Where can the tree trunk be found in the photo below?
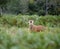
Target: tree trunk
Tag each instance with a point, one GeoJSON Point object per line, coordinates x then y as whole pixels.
{"type": "Point", "coordinates": [0, 11]}
{"type": "Point", "coordinates": [46, 7]}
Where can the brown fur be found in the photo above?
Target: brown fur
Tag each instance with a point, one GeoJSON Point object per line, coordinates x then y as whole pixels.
{"type": "Point", "coordinates": [36, 28]}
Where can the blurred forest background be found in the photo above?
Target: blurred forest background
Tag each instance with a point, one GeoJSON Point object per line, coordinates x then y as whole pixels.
{"type": "Point", "coordinates": [14, 27]}
{"type": "Point", "coordinates": [38, 7]}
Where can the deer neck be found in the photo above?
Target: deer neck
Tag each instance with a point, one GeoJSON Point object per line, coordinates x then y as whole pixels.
{"type": "Point", "coordinates": [30, 26]}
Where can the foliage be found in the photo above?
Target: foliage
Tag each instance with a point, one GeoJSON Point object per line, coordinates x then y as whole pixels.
{"type": "Point", "coordinates": [13, 37]}
{"type": "Point", "coordinates": [20, 38]}
{"type": "Point", "coordinates": [31, 7]}
{"type": "Point", "coordinates": [22, 20]}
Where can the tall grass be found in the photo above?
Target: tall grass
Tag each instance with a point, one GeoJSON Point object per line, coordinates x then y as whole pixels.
{"type": "Point", "coordinates": [22, 20]}
{"type": "Point", "coordinates": [14, 32]}
{"type": "Point", "coordinates": [20, 38]}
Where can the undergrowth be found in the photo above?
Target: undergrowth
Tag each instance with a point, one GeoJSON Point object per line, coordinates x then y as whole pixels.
{"type": "Point", "coordinates": [15, 34]}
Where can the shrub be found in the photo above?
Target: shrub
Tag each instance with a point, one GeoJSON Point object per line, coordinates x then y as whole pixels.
{"type": "Point", "coordinates": [22, 20]}
{"type": "Point", "coordinates": [24, 40]}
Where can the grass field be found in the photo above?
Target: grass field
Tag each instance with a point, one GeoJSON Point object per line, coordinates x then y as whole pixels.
{"type": "Point", "coordinates": [13, 36]}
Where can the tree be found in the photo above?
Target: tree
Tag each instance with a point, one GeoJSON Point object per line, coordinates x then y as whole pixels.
{"type": "Point", "coordinates": [39, 7]}
{"type": "Point", "coordinates": [18, 6]}
{"type": "Point", "coordinates": [2, 4]}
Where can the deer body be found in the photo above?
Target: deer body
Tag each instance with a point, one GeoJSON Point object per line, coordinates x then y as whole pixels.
{"type": "Point", "coordinates": [35, 28]}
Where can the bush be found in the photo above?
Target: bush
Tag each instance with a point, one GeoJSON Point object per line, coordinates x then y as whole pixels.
{"type": "Point", "coordinates": [24, 40]}
{"type": "Point", "coordinates": [22, 20]}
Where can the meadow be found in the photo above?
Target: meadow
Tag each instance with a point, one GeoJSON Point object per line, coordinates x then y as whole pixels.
{"type": "Point", "coordinates": [15, 33]}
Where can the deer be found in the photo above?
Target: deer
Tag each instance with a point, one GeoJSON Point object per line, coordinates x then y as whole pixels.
{"type": "Point", "coordinates": [35, 28]}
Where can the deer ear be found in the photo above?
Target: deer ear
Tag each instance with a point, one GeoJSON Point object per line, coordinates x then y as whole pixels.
{"type": "Point", "coordinates": [29, 21]}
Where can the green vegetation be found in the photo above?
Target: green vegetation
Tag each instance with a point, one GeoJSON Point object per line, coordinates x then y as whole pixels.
{"type": "Point", "coordinates": [39, 7]}
{"type": "Point", "coordinates": [20, 38]}
{"type": "Point", "coordinates": [14, 33]}
{"type": "Point", "coordinates": [14, 27]}
{"type": "Point", "coordinates": [22, 20]}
